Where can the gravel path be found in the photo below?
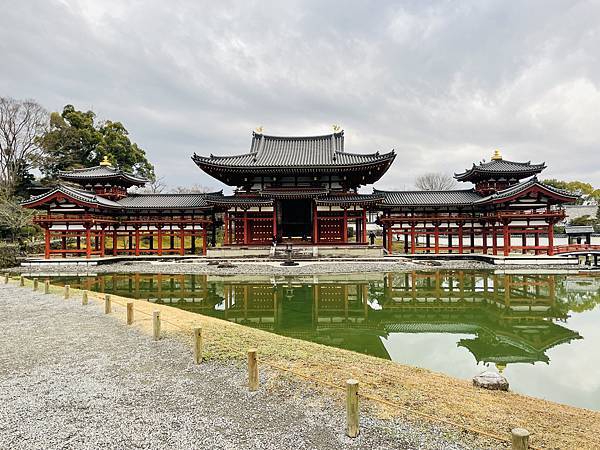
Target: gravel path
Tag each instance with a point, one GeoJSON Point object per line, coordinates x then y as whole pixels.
{"type": "Point", "coordinates": [256, 268]}
{"type": "Point", "coordinates": [71, 377]}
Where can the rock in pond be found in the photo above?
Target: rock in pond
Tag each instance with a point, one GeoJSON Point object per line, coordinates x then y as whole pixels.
{"type": "Point", "coordinates": [491, 380]}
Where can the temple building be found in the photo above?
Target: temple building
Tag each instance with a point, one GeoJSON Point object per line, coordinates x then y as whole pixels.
{"type": "Point", "coordinates": [301, 190]}
{"type": "Point", "coordinates": [295, 189]}
{"type": "Point", "coordinates": [507, 200]}
{"type": "Point", "coordinates": [91, 213]}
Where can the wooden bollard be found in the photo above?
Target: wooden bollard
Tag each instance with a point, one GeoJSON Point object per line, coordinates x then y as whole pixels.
{"type": "Point", "coordinates": [67, 291]}
{"type": "Point", "coordinates": [352, 408]}
{"type": "Point", "coordinates": [156, 325]}
{"type": "Point", "coordinates": [252, 370]}
{"type": "Point", "coordinates": [84, 298]}
{"type": "Point", "coordinates": [198, 345]}
{"type": "Point", "coordinates": [129, 313]}
{"type": "Point", "coordinates": [46, 287]}
{"type": "Point", "coordinates": [22, 281]}
{"type": "Point", "coordinates": [35, 284]}
{"type": "Point", "coordinates": [520, 439]}
{"type": "Point", "coordinates": [6, 278]}
{"type": "Point", "coordinates": [107, 304]}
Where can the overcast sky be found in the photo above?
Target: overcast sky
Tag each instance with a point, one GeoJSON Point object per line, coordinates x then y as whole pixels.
{"type": "Point", "coordinates": [442, 83]}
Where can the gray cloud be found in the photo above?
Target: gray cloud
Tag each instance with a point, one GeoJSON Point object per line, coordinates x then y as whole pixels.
{"type": "Point", "coordinates": [443, 83]}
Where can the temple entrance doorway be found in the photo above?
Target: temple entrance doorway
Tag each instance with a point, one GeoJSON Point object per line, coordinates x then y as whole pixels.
{"type": "Point", "coordinates": [296, 220]}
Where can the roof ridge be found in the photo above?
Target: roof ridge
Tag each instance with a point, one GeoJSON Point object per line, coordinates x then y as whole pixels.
{"type": "Point", "coordinates": [299, 138]}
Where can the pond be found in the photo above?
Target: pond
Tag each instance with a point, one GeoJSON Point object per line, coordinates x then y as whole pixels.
{"type": "Point", "coordinates": [541, 331]}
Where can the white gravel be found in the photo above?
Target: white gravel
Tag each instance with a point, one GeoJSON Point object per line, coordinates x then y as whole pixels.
{"type": "Point", "coordinates": [71, 377]}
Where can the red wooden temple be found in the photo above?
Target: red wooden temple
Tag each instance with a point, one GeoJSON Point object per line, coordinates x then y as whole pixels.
{"type": "Point", "coordinates": [483, 219]}
{"type": "Point", "coordinates": [295, 189]}
{"type": "Point", "coordinates": [303, 190]}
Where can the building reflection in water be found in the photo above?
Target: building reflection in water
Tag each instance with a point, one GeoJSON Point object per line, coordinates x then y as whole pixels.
{"type": "Point", "coordinates": [509, 318]}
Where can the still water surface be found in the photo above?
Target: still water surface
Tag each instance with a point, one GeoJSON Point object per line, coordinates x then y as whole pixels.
{"type": "Point", "coordinates": [541, 331]}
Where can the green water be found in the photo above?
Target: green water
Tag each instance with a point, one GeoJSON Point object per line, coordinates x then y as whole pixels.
{"type": "Point", "coordinates": [541, 331]}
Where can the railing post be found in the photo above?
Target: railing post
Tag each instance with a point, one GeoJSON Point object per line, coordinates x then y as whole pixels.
{"type": "Point", "coordinates": [198, 345]}
{"type": "Point", "coordinates": [84, 298]}
{"type": "Point", "coordinates": [6, 278]}
{"type": "Point", "coordinates": [252, 370]}
{"type": "Point", "coordinates": [129, 313]}
{"type": "Point", "coordinates": [47, 287]}
{"type": "Point", "coordinates": [67, 292]}
{"type": "Point", "coordinates": [156, 325]}
{"type": "Point", "coordinates": [35, 284]}
{"type": "Point", "coordinates": [22, 281]}
{"type": "Point", "coordinates": [520, 439]}
{"type": "Point", "coordinates": [352, 408]}
{"type": "Point", "coordinates": [107, 304]}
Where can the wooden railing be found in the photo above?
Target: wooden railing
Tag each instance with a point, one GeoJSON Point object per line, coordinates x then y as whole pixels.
{"type": "Point", "coordinates": [575, 248]}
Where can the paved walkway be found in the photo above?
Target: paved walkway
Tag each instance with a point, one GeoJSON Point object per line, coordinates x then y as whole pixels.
{"type": "Point", "coordinates": [71, 377]}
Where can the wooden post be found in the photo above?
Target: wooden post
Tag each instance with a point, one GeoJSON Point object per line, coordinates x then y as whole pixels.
{"type": "Point", "coordinates": [520, 439]}
{"type": "Point", "coordinates": [364, 226]}
{"type": "Point", "coordinates": [88, 242]}
{"type": "Point", "coordinates": [107, 304]}
{"type": "Point", "coordinates": [22, 281]}
{"type": "Point", "coordinates": [352, 429]}
{"type": "Point", "coordinates": [6, 278]}
{"type": "Point", "coordinates": [156, 325]}
{"type": "Point", "coordinates": [225, 228]}
{"type": "Point", "coordinates": [46, 287]}
{"type": "Point", "coordinates": [84, 298]}
{"type": "Point", "coordinates": [47, 243]}
{"type": "Point", "coordinates": [35, 284]}
{"type": "Point", "coordinates": [204, 238]}
{"type": "Point", "coordinates": [129, 313]}
{"type": "Point", "coordinates": [551, 238]}
{"type": "Point", "coordinates": [252, 370]}
{"type": "Point", "coordinates": [67, 293]}
{"type": "Point", "coordinates": [198, 345]}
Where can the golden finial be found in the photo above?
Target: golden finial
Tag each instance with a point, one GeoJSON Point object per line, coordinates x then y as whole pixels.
{"type": "Point", "coordinates": [500, 367]}
{"type": "Point", "coordinates": [105, 161]}
{"type": "Point", "coordinates": [497, 156]}
{"type": "Point", "coordinates": [336, 128]}
{"type": "Point", "coordinates": [259, 130]}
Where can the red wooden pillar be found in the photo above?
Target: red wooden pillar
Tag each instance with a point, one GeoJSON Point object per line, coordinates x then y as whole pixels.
{"type": "Point", "coordinates": [137, 241]}
{"type": "Point", "coordinates": [102, 241]}
{"type": "Point", "coordinates": [274, 222]}
{"type": "Point", "coordinates": [436, 237]}
{"type": "Point", "coordinates": [364, 226]}
{"type": "Point", "coordinates": [389, 237]}
{"type": "Point", "coordinates": [115, 242]}
{"type": "Point", "coordinates": [413, 242]}
{"type": "Point", "coordinates": [494, 240]}
{"type": "Point", "coordinates": [315, 225]}
{"type": "Point", "coordinates": [524, 243]}
{"type": "Point", "coordinates": [47, 242]}
{"type": "Point", "coordinates": [182, 240]}
{"type": "Point", "coordinates": [460, 238]}
{"type": "Point", "coordinates": [345, 227]}
{"type": "Point", "coordinates": [484, 231]}
{"type": "Point", "coordinates": [551, 238]}
{"type": "Point", "coordinates": [63, 245]}
{"type": "Point", "coordinates": [226, 228]}
{"type": "Point", "coordinates": [160, 240]}
{"type": "Point", "coordinates": [506, 238]}
{"type": "Point", "coordinates": [245, 227]}
{"type": "Point", "coordinates": [537, 241]}
{"type": "Point", "coordinates": [204, 239]}
{"type": "Point", "coordinates": [88, 242]}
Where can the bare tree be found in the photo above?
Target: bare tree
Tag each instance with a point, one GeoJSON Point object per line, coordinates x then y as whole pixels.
{"type": "Point", "coordinates": [435, 181]}
{"type": "Point", "coordinates": [155, 186]}
{"type": "Point", "coordinates": [193, 189]}
{"type": "Point", "coordinates": [22, 122]}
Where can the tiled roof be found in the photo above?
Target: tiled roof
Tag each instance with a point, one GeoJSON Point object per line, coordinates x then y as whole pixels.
{"type": "Point", "coordinates": [77, 194]}
{"type": "Point", "coordinates": [466, 197]}
{"type": "Point", "coordinates": [296, 192]}
{"type": "Point", "coordinates": [520, 187]}
{"type": "Point", "coordinates": [430, 198]}
{"type": "Point", "coordinates": [501, 167]}
{"type": "Point", "coordinates": [233, 200]}
{"type": "Point", "coordinates": [164, 201]}
{"type": "Point", "coordinates": [293, 152]}
{"type": "Point", "coordinates": [579, 229]}
{"type": "Point", "coordinates": [351, 199]}
{"type": "Point", "coordinates": [99, 173]}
